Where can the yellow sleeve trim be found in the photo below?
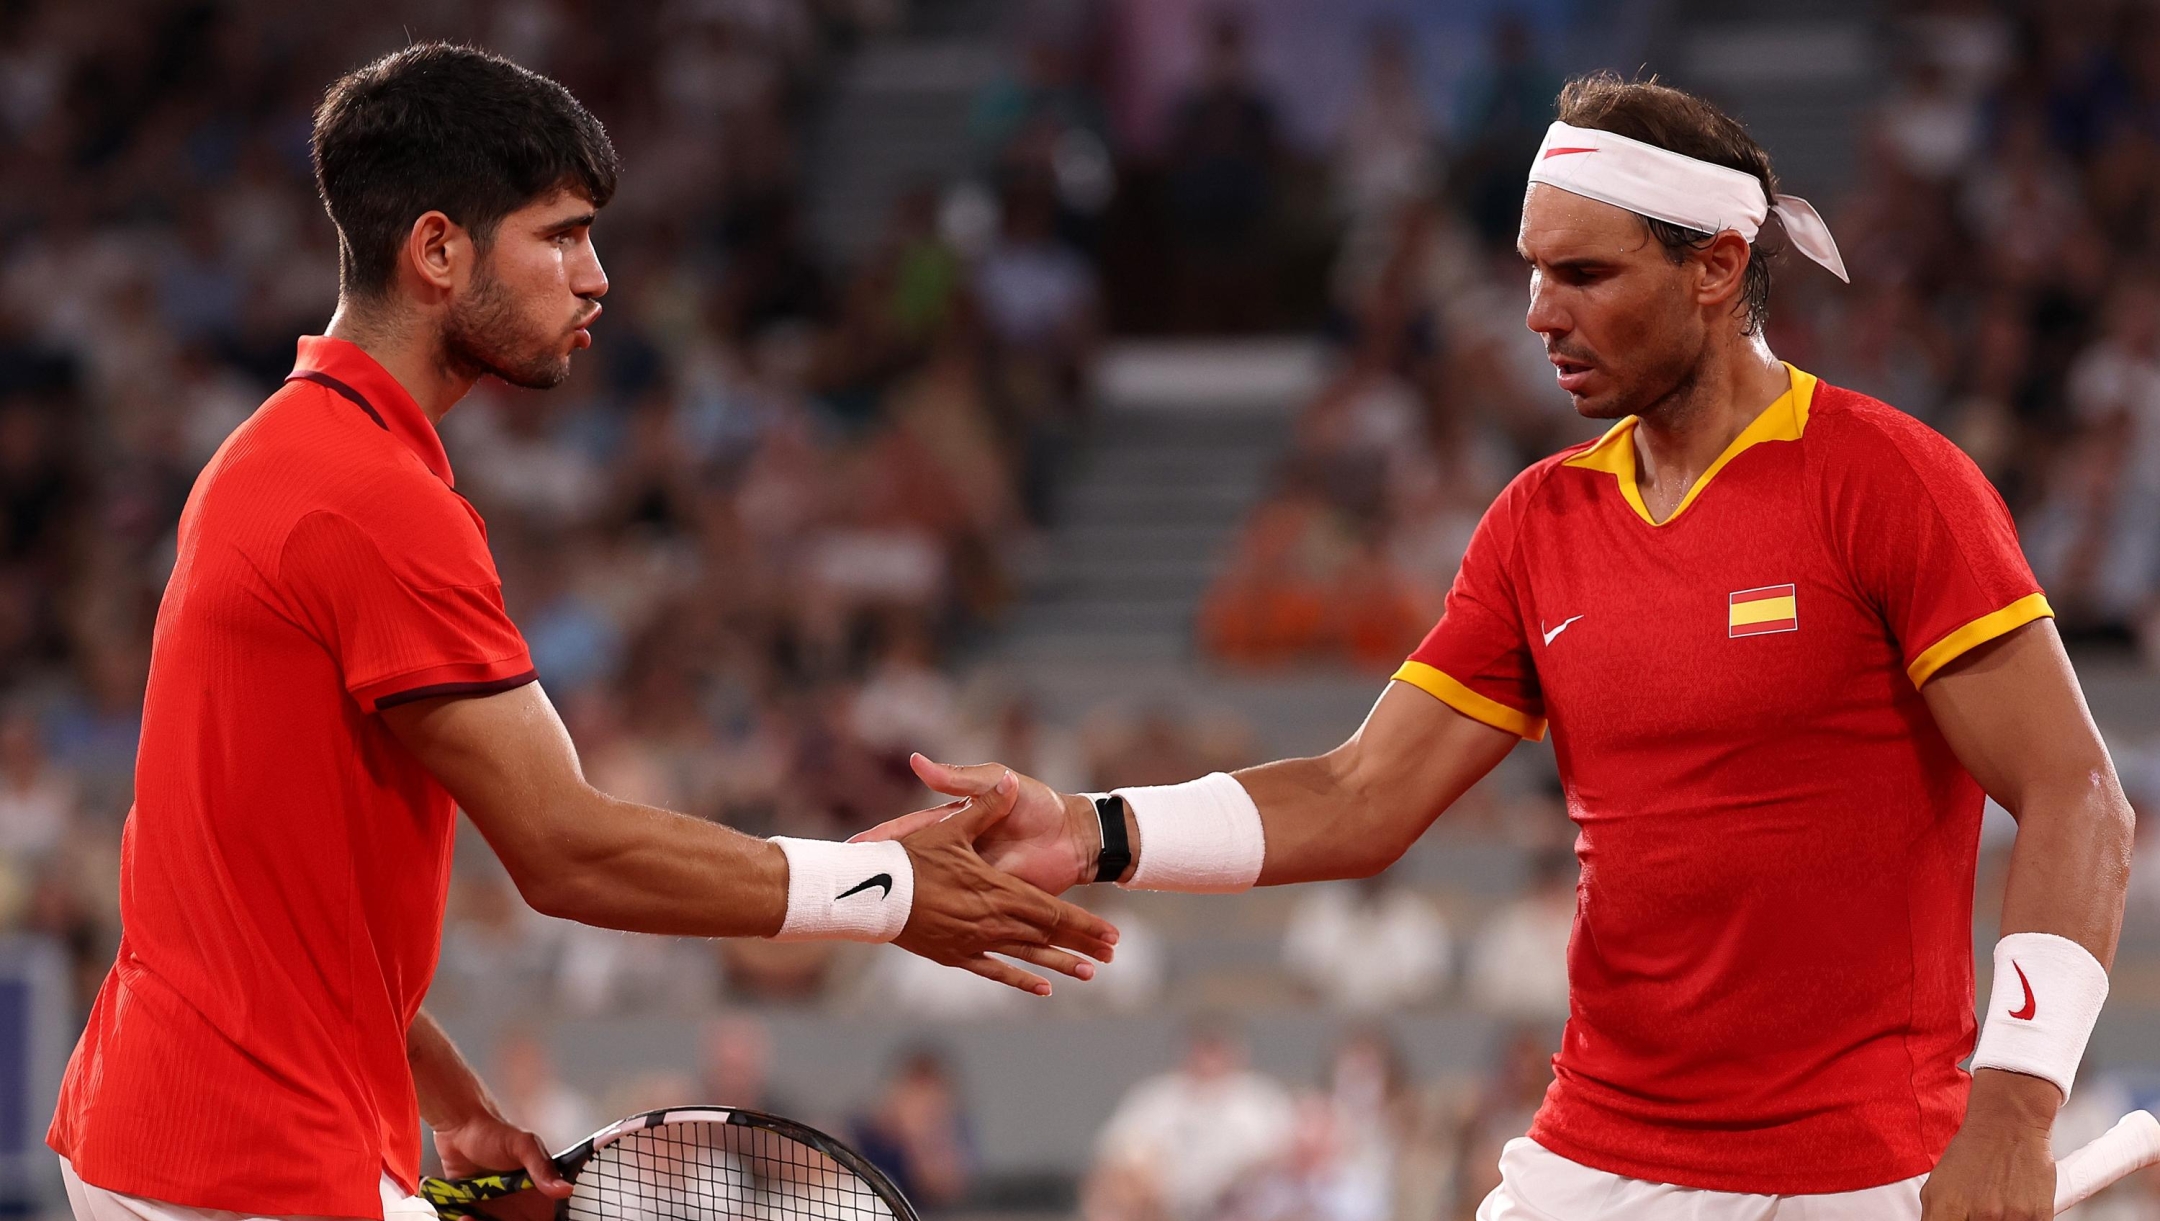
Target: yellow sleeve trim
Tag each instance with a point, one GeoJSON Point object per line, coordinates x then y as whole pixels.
{"type": "Point", "coordinates": [1987, 627]}
{"type": "Point", "coordinates": [1443, 687]}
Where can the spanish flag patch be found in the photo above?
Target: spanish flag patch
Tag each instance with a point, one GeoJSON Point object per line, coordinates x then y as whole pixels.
{"type": "Point", "coordinates": [1772, 608]}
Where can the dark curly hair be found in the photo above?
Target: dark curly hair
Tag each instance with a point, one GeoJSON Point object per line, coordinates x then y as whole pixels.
{"type": "Point", "coordinates": [1674, 119]}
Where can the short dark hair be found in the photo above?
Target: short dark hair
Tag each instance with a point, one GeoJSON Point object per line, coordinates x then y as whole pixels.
{"type": "Point", "coordinates": [440, 127]}
{"type": "Point", "coordinates": [1677, 120]}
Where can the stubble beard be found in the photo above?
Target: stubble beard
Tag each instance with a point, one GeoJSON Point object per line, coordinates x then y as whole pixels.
{"type": "Point", "coordinates": [486, 336]}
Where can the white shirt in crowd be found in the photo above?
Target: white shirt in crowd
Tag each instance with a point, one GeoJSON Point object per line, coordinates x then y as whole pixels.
{"type": "Point", "coordinates": [1197, 1136]}
{"type": "Point", "coordinates": [1518, 965]}
{"type": "Point", "coordinates": [1368, 952]}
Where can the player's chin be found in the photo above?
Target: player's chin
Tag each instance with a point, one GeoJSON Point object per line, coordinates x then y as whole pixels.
{"type": "Point", "coordinates": [1592, 403]}
{"type": "Point", "coordinates": [540, 373]}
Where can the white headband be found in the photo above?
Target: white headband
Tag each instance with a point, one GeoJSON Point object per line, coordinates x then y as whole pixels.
{"type": "Point", "coordinates": [1675, 188]}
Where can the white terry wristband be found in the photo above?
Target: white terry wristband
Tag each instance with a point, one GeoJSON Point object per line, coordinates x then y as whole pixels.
{"type": "Point", "coordinates": [846, 892]}
{"type": "Point", "coordinates": [1203, 836]}
{"type": "Point", "coordinates": [2048, 992]}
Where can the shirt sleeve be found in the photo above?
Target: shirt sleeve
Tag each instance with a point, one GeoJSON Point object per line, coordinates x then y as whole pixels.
{"type": "Point", "coordinates": [422, 619]}
{"type": "Point", "coordinates": [1476, 660]}
{"type": "Point", "coordinates": [1931, 545]}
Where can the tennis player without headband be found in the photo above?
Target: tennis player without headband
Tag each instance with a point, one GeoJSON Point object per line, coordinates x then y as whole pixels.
{"type": "Point", "coordinates": [1784, 640]}
{"type": "Point", "coordinates": [333, 676]}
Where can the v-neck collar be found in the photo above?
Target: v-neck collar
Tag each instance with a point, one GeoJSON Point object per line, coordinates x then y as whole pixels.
{"type": "Point", "coordinates": [1783, 420]}
{"type": "Point", "coordinates": [347, 370]}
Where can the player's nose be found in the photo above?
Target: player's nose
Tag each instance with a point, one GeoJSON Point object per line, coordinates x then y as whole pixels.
{"type": "Point", "coordinates": [1545, 316]}
{"type": "Point", "coordinates": [592, 281]}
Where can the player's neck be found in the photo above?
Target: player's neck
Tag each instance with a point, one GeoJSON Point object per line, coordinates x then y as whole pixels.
{"type": "Point", "coordinates": [408, 350]}
{"type": "Point", "coordinates": [1683, 433]}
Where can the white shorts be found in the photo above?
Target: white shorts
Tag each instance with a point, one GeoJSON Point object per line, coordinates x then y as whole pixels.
{"type": "Point", "coordinates": [97, 1204]}
{"type": "Point", "coordinates": [1537, 1184]}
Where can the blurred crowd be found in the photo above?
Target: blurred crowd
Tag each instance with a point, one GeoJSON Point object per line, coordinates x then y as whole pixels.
{"type": "Point", "coordinates": [1999, 227]}
{"type": "Point", "coordinates": [750, 537]}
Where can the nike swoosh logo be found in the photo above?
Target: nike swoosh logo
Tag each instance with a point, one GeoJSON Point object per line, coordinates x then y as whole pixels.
{"type": "Point", "coordinates": [875, 879]}
{"type": "Point", "coordinates": [2031, 1006]}
{"type": "Point", "coordinates": [1556, 631]}
{"type": "Point", "coordinates": [1561, 152]}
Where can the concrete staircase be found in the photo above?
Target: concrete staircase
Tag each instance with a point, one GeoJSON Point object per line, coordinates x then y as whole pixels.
{"type": "Point", "coordinates": [1801, 74]}
{"type": "Point", "coordinates": [1185, 439]}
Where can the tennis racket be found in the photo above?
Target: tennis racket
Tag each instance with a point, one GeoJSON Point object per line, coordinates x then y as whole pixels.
{"type": "Point", "coordinates": [694, 1163]}
{"type": "Point", "coordinates": [2130, 1146]}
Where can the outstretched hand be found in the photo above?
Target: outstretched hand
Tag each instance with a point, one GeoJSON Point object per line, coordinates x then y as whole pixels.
{"type": "Point", "coordinates": [1049, 840]}
{"type": "Point", "coordinates": [968, 907]}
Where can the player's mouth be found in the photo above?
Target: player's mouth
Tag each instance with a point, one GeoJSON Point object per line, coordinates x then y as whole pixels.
{"type": "Point", "coordinates": [581, 337]}
{"type": "Point", "coordinates": [1573, 375]}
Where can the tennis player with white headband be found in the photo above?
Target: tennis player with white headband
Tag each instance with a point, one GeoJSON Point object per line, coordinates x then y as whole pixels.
{"type": "Point", "coordinates": [1785, 643]}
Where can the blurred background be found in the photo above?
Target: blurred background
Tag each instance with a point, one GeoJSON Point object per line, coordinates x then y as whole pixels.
{"type": "Point", "coordinates": [1105, 387]}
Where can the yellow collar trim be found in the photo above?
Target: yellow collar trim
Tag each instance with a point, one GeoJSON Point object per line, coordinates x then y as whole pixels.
{"type": "Point", "coordinates": [1614, 453]}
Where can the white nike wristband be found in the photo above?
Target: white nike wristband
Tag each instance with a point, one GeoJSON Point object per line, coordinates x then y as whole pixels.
{"type": "Point", "coordinates": [1202, 836]}
{"type": "Point", "coordinates": [2047, 995]}
{"type": "Point", "coordinates": [846, 892]}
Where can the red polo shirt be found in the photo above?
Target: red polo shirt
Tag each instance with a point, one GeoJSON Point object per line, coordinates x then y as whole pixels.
{"type": "Point", "coordinates": [1771, 972]}
{"type": "Point", "coordinates": [284, 869]}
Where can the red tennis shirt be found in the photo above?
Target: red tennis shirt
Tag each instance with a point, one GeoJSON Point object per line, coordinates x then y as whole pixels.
{"type": "Point", "coordinates": [283, 872]}
{"type": "Point", "coordinates": [1771, 972]}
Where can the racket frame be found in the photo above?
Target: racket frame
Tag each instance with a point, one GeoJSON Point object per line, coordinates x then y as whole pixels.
{"type": "Point", "coordinates": [454, 1199]}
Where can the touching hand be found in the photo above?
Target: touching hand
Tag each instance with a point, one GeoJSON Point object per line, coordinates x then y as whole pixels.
{"type": "Point", "coordinates": [1048, 841]}
{"type": "Point", "coordinates": [1998, 1167]}
{"type": "Point", "coordinates": [488, 1143]}
{"type": "Point", "coordinates": [966, 908]}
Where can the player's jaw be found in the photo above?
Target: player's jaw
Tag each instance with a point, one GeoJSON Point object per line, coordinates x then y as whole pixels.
{"type": "Point", "coordinates": [534, 293]}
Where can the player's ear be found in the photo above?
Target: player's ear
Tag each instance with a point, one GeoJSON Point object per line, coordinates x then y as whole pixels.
{"type": "Point", "coordinates": [438, 253]}
{"type": "Point", "coordinates": [1721, 269]}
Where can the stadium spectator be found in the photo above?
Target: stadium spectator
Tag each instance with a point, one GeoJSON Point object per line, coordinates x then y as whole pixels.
{"type": "Point", "coordinates": [735, 1065]}
{"type": "Point", "coordinates": [1518, 962]}
{"type": "Point", "coordinates": [1522, 1068]}
{"type": "Point", "coordinates": [1180, 1141]}
{"type": "Point", "coordinates": [534, 1097]}
{"type": "Point", "coordinates": [1389, 150]}
{"type": "Point", "coordinates": [1368, 946]}
{"type": "Point", "coordinates": [38, 800]}
{"type": "Point", "coordinates": [1223, 155]}
{"type": "Point", "coordinates": [918, 1132]}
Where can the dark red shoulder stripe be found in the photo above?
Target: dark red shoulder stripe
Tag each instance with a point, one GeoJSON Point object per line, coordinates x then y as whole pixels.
{"type": "Point", "coordinates": [492, 686]}
{"type": "Point", "coordinates": [337, 387]}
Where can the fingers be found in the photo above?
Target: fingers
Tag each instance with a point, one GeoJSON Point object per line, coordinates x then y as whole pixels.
{"type": "Point", "coordinates": [1078, 924]}
{"type": "Point", "coordinates": [908, 824]}
{"type": "Point", "coordinates": [1006, 973]}
{"type": "Point", "coordinates": [969, 781]}
{"type": "Point", "coordinates": [532, 1155]}
{"type": "Point", "coordinates": [984, 811]}
{"type": "Point", "coordinates": [1083, 943]}
{"type": "Point", "coordinates": [1049, 959]}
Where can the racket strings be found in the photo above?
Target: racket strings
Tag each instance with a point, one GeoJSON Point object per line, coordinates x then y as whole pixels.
{"type": "Point", "coordinates": [692, 1171]}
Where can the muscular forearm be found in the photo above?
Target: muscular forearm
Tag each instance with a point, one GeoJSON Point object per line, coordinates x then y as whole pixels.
{"type": "Point", "coordinates": [1324, 819]}
{"type": "Point", "coordinates": [575, 852]}
{"type": "Point", "coordinates": [450, 1092]}
{"type": "Point", "coordinates": [1355, 810]}
{"type": "Point", "coordinates": [626, 866]}
{"type": "Point", "coordinates": [2070, 865]}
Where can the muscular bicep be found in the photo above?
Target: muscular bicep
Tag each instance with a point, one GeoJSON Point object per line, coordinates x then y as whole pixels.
{"type": "Point", "coordinates": [2012, 711]}
{"type": "Point", "coordinates": [1356, 809]}
{"type": "Point", "coordinates": [506, 758]}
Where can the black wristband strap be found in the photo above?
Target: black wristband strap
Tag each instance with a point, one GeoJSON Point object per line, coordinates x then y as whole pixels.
{"type": "Point", "coordinates": [1116, 854]}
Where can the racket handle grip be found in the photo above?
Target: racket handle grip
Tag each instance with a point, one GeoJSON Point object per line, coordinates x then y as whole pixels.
{"type": "Point", "coordinates": [2131, 1145]}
